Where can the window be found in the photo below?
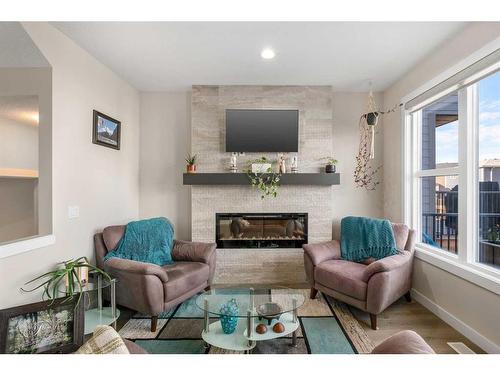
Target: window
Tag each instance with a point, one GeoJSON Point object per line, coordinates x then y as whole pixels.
{"type": "Point", "coordinates": [437, 124]}
{"type": "Point", "coordinates": [489, 171]}
{"type": "Point", "coordinates": [452, 185]}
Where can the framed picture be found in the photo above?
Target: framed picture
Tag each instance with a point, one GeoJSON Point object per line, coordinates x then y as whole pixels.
{"type": "Point", "coordinates": [106, 131]}
{"type": "Point", "coordinates": [42, 327]}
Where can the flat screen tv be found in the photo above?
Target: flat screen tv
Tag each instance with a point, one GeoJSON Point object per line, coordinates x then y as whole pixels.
{"type": "Point", "coordinates": [257, 130]}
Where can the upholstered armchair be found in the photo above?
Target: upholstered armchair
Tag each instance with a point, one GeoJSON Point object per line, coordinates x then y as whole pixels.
{"type": "Point", "coordinates": [149, 288]}
{"type": "Point", "coordinates": [404, 342]}
{"type": "Point", "coordinates": [371, 286]}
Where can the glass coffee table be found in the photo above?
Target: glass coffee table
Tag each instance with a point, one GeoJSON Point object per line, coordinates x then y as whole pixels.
{"type": "Point", "coordinates": [254, 307]}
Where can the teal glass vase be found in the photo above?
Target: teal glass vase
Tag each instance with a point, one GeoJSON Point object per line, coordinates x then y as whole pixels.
{"type": "Point", "coordinates": [229, 316]}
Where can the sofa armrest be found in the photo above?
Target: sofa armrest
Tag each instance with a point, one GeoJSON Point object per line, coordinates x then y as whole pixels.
{"type": "Point", "coordinates": [193, 251]}
{"type": "Point", "coordinates": [125, 266]}
{"type": "Point", "coordinates": [386, 264]}
{"type": "Point", "coordinates": [320, 252]}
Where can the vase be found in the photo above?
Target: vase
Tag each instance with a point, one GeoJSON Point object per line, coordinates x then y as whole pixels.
{"type": "Point", "coordinates": [229, 316]}
{"type": "Point", "coordinates": [191, 168]}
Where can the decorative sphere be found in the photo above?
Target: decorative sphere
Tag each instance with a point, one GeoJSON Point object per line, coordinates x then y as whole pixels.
{"type": "Point", "coordinates": [261, 329]}
{"type": "Point", "coordinates": [279, 328]}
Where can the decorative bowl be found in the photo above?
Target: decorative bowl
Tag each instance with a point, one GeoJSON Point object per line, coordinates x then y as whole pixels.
{"type": "Point", "coordinates": [269, 311]}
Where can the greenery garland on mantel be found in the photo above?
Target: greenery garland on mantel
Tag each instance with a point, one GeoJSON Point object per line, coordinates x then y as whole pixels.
{"type": "Point", "coordinates": [268, 182]}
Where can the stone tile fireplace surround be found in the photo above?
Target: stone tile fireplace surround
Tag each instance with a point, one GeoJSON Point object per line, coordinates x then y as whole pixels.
{"type": "Point", "coordinates": [208, 105]}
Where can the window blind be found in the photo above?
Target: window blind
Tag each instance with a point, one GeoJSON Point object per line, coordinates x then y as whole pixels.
{"type": "Point", "coordinates": [473, 73]}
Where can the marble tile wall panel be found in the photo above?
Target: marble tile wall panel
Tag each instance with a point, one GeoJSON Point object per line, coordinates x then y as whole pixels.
{"type": "Point", "coordinates": [208, 141]}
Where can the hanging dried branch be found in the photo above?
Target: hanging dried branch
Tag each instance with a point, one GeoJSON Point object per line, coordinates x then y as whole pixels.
{"type": "Point", "coordinates": [365, 173]}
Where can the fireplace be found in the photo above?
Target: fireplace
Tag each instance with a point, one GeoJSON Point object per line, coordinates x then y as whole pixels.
{"type": "Point", "coordinates": [264, 230]}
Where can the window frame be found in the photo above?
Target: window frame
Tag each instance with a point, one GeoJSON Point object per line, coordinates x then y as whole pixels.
{"type": "Point", "coordinates": [465, 263]}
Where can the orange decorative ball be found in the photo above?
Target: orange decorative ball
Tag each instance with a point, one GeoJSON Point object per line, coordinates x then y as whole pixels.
{"type": "Point", "coordinates": [261, 329]}
{"type": "Point", "coordinates": [279, 328]}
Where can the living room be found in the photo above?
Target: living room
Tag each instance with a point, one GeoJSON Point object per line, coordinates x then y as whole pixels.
{"type": "Point", "coordinates": [249, 187]}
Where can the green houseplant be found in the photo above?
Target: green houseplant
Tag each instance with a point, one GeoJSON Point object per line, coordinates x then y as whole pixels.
{"type": "Point", "coordinates": [68, 274]}
{"type": "Point", "coordinates": [331, 163]}
{"type": "Point", "coordinates": [191, 163]}
{"type": "Point", "coordinates": [267, 182]}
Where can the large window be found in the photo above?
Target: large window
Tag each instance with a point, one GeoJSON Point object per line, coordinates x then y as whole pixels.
{"type": "Point", "coordinates": [438, 123]}
{"type": "Point", "coordinates": [453, 172]}
{"type": "Point", "coordinates": [489, 171]}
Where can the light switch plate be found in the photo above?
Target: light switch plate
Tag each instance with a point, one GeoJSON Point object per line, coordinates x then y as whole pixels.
{"type": "Point", "coordinates": [73, 212]}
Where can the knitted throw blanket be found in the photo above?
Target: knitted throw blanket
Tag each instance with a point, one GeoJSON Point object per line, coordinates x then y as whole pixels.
{"type": "Point", "coordinates": [363, 238]}
{"type": "Point", "coordinates": [148, 241]}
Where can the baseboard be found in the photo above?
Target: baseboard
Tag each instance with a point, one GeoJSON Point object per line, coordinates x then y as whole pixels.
{"type": "Point", "coordinates": [487, 345]}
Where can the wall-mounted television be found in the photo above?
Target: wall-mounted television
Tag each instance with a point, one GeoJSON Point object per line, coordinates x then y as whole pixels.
{"type": "Point", "coordinates": [262, 130]}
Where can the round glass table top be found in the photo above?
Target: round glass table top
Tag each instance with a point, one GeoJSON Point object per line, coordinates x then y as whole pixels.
{"type": "Point", "coordinates": [260, 302]}
{"type": "Point", "coordinates": [89, 286]}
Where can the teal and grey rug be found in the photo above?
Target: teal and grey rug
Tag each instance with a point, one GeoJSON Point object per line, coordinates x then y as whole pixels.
{"type": "Point", "coordinates": [326, 327]}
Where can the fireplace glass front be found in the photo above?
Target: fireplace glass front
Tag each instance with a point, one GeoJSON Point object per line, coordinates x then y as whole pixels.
{"type": "Point", "coordinates": [264, 230]}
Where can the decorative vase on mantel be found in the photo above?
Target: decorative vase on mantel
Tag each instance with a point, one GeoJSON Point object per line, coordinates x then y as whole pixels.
{"type": "Point", "coordinates": [229, 316]}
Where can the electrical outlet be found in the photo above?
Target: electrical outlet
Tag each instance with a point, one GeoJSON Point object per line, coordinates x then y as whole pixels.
{"type": "Point", "coordinates": [73, 212]}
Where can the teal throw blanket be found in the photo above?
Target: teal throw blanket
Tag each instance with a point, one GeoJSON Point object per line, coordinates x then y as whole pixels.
{"type": "Point", "coordinates": [363, 238]}
{"type": "Point", "coordinates": [148, 241]}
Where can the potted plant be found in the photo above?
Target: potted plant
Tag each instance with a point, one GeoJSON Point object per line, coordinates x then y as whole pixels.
{"type": "Point", "coordinates": [331, 165]}
{"type": "Point", "coordinates": [69, 274]}
{"type": "Point", "coordinates": [261, 175]}
{"type": "Point", "coordinates": [191, 163]}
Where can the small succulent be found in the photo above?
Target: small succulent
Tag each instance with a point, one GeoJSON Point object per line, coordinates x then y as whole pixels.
{"type": "Point", "coordinates": [191, 159]}
{"type": "Point", "coordinates": [331, 161]}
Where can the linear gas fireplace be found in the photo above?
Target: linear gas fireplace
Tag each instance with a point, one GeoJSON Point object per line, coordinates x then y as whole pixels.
{"type": "Point", "coordinates": [265, 230]}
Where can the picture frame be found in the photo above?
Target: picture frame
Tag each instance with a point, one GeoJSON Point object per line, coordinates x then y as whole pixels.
{"type": "Point", "coordinates": [43, 327]}
{"type": "Point", "coordinates": [106, 131]}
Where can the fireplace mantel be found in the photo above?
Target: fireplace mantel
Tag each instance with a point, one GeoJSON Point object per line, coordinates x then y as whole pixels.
{"type": "Point", "coordinates": [324, 179]}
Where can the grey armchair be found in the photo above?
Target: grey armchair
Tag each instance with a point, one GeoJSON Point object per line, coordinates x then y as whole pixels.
{"type": "Point", "coordinates": [149, 288]}
{"type": "Point", "coordinates": [371, 286]}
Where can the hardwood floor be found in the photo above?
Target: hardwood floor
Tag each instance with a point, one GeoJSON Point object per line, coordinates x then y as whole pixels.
{"type": "Point", "coordinates": [412, 315]}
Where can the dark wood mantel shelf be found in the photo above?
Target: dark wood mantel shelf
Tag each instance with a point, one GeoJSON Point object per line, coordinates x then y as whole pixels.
{"type": "Point", "coordinates": [324, 179]}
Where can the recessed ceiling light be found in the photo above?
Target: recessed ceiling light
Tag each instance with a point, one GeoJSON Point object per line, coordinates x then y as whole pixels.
{"type": "Point", "coordinates": [267, 54]}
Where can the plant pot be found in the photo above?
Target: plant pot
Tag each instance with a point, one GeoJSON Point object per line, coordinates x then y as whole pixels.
{"type": "Point", "coordinates": [330, 168]}
{"type": "Point", "coordinates": [191, 168]}
{"type": "Point", "coordinates": [372, 118]}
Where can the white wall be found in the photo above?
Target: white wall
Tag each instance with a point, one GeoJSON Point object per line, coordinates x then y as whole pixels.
{"type": "Point", "coordinates": [347, 198]}
{"type": "Point", "coordinates": [103, 182]}
{"type": "Point", "coordinates": [467, 302]}
{"type": "Point", "coordinates": [165, 142]}
{"type": "Point", "coordinates": [18, 145]}
{"type": "Point", "coordinates": [19, 150]}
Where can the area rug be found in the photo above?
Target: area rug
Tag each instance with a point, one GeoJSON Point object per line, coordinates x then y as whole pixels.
{"type": "Point", "coordinates": [326, 327]}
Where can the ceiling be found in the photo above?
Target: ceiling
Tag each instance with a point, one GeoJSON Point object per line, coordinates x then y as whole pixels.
{"type": "Point", "coordinates": [17, 50]}
{"type": "Point", "coordinates": [169, 56]}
